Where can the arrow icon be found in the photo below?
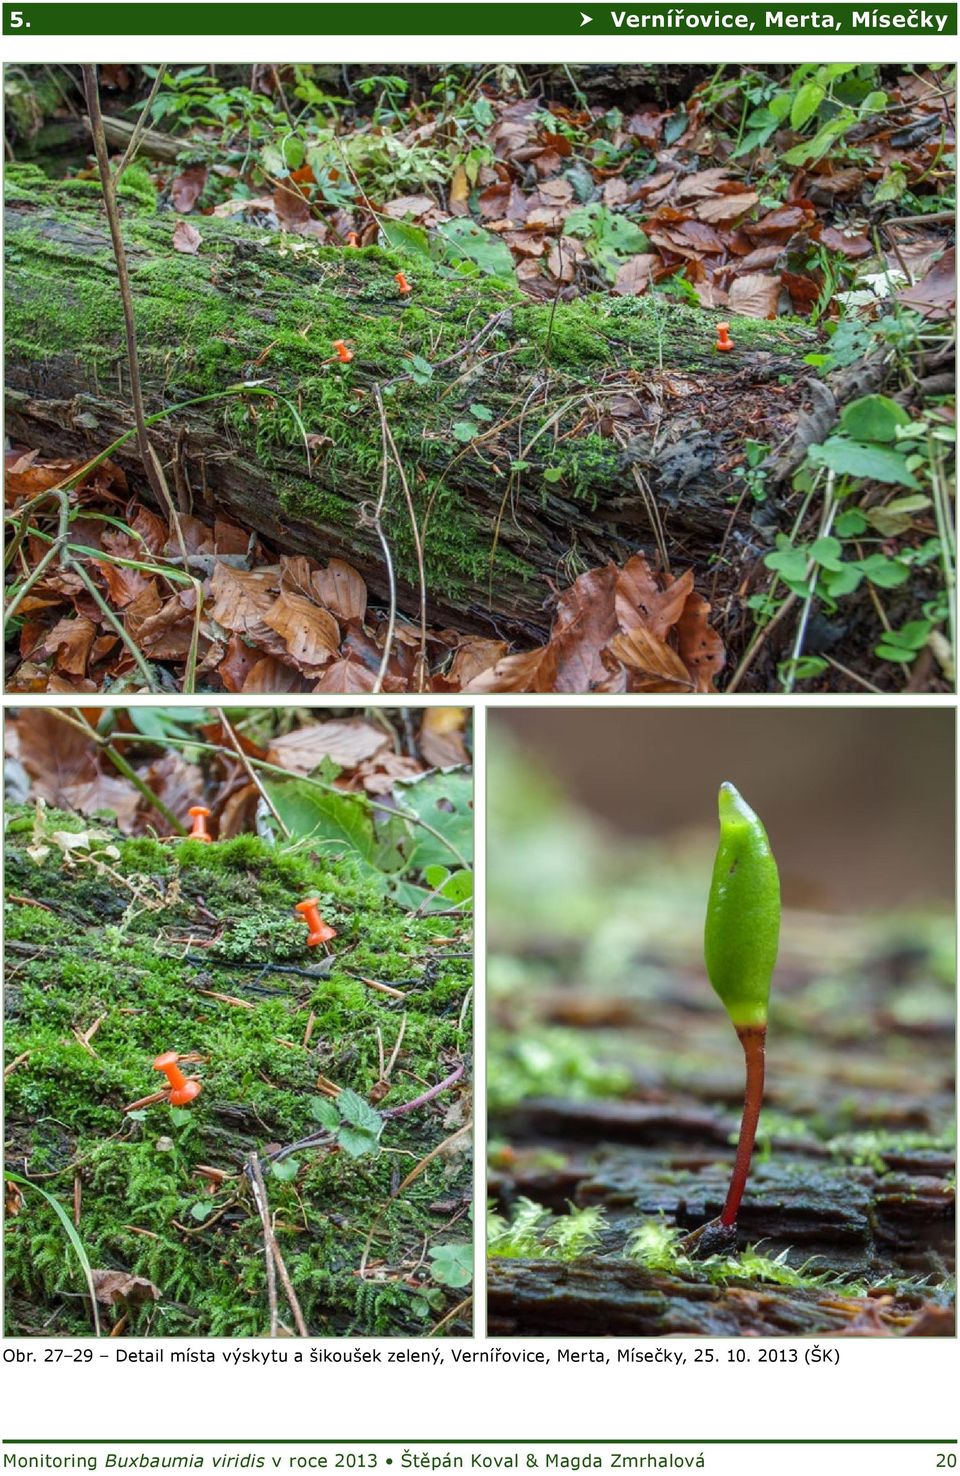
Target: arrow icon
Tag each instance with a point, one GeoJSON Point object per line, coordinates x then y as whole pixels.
{"type": "Point", "coordinates": [585, 20]}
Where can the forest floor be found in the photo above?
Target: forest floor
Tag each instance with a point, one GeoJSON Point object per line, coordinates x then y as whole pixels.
{"type": "Point", "coordinates": [528, 467]}
{"type": "Point", "coordinates": [615, 1086]}
{"type": "Point", "coordinates": [121, 946]}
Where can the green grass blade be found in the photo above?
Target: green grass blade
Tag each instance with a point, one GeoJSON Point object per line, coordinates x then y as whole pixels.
{"type": "Point", "coordinates": [73, 1238]}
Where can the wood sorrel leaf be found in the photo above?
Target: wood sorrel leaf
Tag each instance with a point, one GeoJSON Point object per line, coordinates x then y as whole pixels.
{"type": "Point", "coordinates": [742, 930]}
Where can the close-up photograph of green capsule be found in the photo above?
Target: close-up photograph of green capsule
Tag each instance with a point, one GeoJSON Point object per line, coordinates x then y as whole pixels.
{"type": "Point", "coordinates": [720, 1023]}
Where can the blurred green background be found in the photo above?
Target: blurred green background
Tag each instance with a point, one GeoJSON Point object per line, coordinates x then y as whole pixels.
{"type": "Point", "coordinates": [858, 802]}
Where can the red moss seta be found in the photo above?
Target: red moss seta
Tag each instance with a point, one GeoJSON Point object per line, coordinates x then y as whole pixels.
{"type": "Point", "coordinates": [753, 1038]}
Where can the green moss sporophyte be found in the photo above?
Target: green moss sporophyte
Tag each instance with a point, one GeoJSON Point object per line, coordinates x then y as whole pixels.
{"type": "Point", "coordinates": [741, 939]}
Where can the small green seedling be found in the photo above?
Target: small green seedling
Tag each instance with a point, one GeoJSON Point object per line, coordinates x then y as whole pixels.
{"type": "Point", "coordinates": [741, 938]}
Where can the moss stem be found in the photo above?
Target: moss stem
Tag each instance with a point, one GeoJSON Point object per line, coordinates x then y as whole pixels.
{"type": "Point", "coordinates": [753, 1039]}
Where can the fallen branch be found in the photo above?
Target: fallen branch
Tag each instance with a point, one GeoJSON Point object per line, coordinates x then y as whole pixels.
{"type": "Point", "coordinates": [321, 1139]}
{"type": "Point", "coordinates": [272, 1253]}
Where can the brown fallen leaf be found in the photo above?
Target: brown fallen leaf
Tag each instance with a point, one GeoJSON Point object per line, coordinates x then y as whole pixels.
{"type": "Point", "coordinates": [177, 783]}
{"type": "Point", "coordinates": [64, 765]}
{"type": "Point", "coordinates": [641, 601]}
{"type": "Point", "coordinates": [152, 530]}
{"type": "Point", "coordinates": [237, 663]}
{"type": "Point", "coordinates": [700, 647]}
{"type": "Point", "coordinates": [238, 599]}
{"type": "Point", "coordinates": [271, 675]}
{"type": "Point", "coordinates": [342, 590]}
{"type": "Point", "coordinates": [186, 238]}
{"type": "Point", "coordinates": [473, 657]}
{"type": "Point", "coordinates": [187, 187]}
{"type": "Point", "coordinates": [163, 629]}
{"type": "Point", "coordinates": [311, 634]}
{"type": "Point", "coordinates": [459, 192]}
{"type": "Point", "coordinates": [527, 671]}
{"type": "Point", "coordinates": [124, 585]}
{"type": "Point", "coordinates": [441, 736]}
{"type": "Point", "coordinates": [70, 641]}
{"type": "Point", "coordinates": [850, 242]}
{"type": "Point", "coordinates": [723, 209]}
{"type": "Point", "coordinates": [416, 206]}
{"type": "Point", "coordinates": [653, 665]}
{"type": "Point", "coordinates": [121, 1286]}
{"type": "Point", "coordinates": [239, 812]}
{"type": "Point", "coordinates": [936, 295]}
{"type": "Point", "coordinates": [346, 741]}
{"type": "Point", "coordinates": [636, 274]}
{"type": "Point", "coordinates": [585, 620]}
{"type": "Point", "coordinates": [379, 775]}
{"type": "Point", "coordinates": [755, 295]}
{"type": "Point", "coordinates": [346, 674]}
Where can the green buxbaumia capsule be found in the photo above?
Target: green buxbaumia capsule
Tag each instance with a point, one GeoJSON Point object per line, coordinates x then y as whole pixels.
{"type": "Point", "coordinates": [742, 931]}
{"type": "Point", "coordinates": [741, 938]}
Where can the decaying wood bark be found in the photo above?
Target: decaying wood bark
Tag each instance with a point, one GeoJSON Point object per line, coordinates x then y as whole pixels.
{"type": "Point", "coordinates": [667, 415]}
{"type": "Point", "coordinates": [597, 1299]}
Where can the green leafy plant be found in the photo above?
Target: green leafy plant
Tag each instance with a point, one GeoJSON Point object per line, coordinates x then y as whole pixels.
{"type": "Point", "coordinates": [610, 239]}
{"type": "Point", "coordinates": [452, 1264]}
{"type": "Point", "coordinates": [355, 1123]}
{"type": "Point", "coordinates": [753, 472]}
{"type": "Point", "coordinates": [829, 100]}
{"type": "Point", "coordinates": [878, 443]}
{"type": "Point", "coordinates": [418, 851]}
{"type": "Point", "coordinates": [866, 445]}
{"type": "Point", "coordinates": [741, 941]}
{"type": "Point", "coordinates": [458, 245]}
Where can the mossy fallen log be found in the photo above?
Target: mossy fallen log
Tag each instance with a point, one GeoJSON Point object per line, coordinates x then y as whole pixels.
{"type": "Point", "coordinates": [533, 435]}
{"type": "Point", "coordinates": [161, 1195]}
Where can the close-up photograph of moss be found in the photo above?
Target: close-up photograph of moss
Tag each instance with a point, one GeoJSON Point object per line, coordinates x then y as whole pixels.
{"type": "Point", "coordinates": [238, 1022]}
{"type": "Point", "coordinates": [480, 377]}
{"type": "Point", "coordinates": [721, 1023]}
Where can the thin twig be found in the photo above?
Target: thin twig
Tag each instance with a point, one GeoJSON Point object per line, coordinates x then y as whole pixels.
{"type": "Point", "coordinates": [375, 520]}
{"type": "Point", "coordinates": [256, 1178]}
{"type": "Point", "coordinates": [263, 1210]}
{"type": "Point", "coordinates": [454, 1312]}
{"type": "Point", "coordinates": [128, 772]}
{"type": "Point", "coordinates": [396, 1050]}
{"type": "Point", "coordinates": [92, 94]}
{"type": "Point", "coordinates": [251, 773]}
{"type": "Point", "coordinates": [427, 1096]}
{"type": "Point", "coordinates": [141, 124]}
{"type": "Point", "coordinates": [391, 444]}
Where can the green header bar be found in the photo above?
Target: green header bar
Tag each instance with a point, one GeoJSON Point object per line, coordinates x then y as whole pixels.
{"type": "Point", "coordinates": [303, 18]}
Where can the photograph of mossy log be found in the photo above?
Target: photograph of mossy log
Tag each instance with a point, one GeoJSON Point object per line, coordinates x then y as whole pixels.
{"type": "Point", "coordinates": [251, 308]}
{"type": "Point", "coordinates": [238, 1057]}
{"type": "Point", "coordinates": [624, 1196]}
{"type": "Point", "coordinates": [613, 379]}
